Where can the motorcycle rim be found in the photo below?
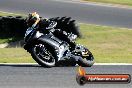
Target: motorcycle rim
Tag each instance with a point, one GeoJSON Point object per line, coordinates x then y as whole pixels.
{"type": "Point", "coordinates": [44, 55]}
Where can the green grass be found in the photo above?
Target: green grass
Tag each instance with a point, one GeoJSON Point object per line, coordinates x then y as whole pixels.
{"type": "Point", "coordinates": [10, 14]}
{"type": "Point", "coordinates": [14, 55]}
{"type": "Point", "coordinates": [108, 44]}
{"type": "Point", "coordinates": [123, 2]}
{"type": "Point", "coordinates": [5, 14]}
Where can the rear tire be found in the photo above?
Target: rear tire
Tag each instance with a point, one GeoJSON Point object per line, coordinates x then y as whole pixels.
{"type": "Point", "coordinates": [85, 63]}
{"type": "Point", "coordinates": [86, 59]}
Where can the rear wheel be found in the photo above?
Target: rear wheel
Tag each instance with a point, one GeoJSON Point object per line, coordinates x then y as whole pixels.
{"type": "Point", "coordinates": [86, 58]}
{"type": "Point", "coordinates": [43, 56]}
{"type": "Point", "coordinates": [86, 62]}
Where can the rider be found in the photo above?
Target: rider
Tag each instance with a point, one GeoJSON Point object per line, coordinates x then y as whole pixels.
{"type": "Point", "coordinates": [34, 22]}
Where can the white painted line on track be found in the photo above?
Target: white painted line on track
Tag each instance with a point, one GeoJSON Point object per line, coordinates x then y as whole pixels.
{"type": "Point", "coordinates": [37, 64]}
{"type": "Point", "coordinates": [18, 64]}
{"type": "Point", "coordinates": [123, 28]}
{"type": "Point", "coordinates": [106, 5]}
{"type": "Point", "coordinates": [96, 4]}
{"type": "Point", "coordinates": [112, 63]}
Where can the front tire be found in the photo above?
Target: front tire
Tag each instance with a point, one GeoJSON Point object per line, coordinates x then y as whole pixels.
{"type": "Point", "coordinates": [43, 55]}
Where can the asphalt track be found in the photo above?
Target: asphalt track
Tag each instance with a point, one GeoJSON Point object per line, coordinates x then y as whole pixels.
{"type": "Point", "coordinates": [33, 76]}
{"type": "Point", "coordinates": [86, 13]}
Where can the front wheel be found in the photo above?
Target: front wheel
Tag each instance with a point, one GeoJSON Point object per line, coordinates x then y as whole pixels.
{"type": "Point", "coordinates": [43, 55]}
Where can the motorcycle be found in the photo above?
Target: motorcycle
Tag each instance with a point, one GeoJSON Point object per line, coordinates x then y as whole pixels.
{"type": "Point", "coordinates": [48, 50]}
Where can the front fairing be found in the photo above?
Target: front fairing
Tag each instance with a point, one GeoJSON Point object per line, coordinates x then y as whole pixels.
{"type": "Point", "coordinates": [29, 34]}
{"type": "Point", "coordinates": [28, 31]}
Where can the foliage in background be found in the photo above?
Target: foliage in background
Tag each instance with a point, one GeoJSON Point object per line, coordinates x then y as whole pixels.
{"type": "Point", "coordinates": [12, 27]}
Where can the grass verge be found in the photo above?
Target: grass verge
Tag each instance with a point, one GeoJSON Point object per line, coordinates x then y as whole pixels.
{"type": "Point", "coordinates": [108, 45]}
{"type": "Point", "coordinates": [2, 13]}
{"type": "Point", "coordinates": [14, 55]}
{"type": "Point", "coordinates": [122, 2]}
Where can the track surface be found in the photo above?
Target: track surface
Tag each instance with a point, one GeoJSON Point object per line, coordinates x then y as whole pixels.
{"type": "Point", "coordinates": [87, 13]}
{"type": "Point", "coordinates": [33, 76]}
